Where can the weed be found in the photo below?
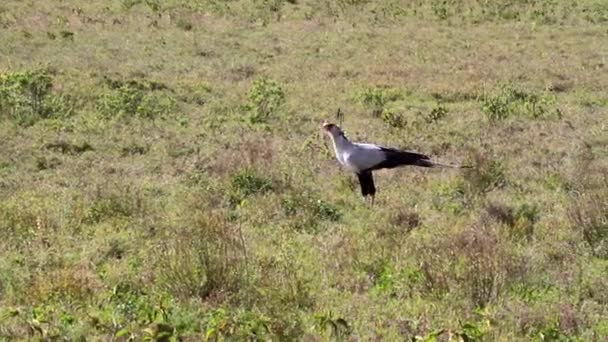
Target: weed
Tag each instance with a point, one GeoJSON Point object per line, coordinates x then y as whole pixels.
{"type": "Point", "coordinates": [265, 99]}
{"type": "Point", "coordinates": [26, 97]}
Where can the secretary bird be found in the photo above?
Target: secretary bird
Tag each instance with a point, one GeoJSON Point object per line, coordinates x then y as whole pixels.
{"type": "Point", "coordinates": [363, 158]}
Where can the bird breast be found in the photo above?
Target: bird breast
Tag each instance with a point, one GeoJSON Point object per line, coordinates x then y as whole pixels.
{"type": "Point", "coordinates": [361, 158]}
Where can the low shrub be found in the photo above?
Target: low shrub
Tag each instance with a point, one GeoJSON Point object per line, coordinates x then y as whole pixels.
{"type": "Point", "coordinates": [148, 100]}
{"type": "Point", "coordinates": [27, 97]}
{"type": "Point", "coordinates": [508, 101]}
{"type": "Point", "coordinates": [266, 97]}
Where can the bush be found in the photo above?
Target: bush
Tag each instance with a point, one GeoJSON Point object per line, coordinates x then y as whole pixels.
{"type": "Point", "coordinates": [508, 101]}
{"type": "Point", "coordinates": [247, 182]}
{"type": "Point", "coordinates": [307, 212]}
{"type": "Point", "coordinates": [265, 98]}
{"type": "Point", "coordinates": [108, 207]}
{"type": "Point", "coordinates": [26, 97]}
{"type": "Point", "coordinates": [376, 98]}
{"type": "Point", "coordinates": [135, 99]}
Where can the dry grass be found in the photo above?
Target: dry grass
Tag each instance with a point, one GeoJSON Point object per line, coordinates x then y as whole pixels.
{"type": "Point", "coordinates": [162, 174]}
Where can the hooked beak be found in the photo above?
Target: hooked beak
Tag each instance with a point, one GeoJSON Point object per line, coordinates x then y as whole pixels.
{"type": "Point", "coordinates": [325, 126]}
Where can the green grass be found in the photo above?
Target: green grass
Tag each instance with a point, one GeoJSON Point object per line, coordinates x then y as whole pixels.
{"type": "Point", "coordinates": [163, 176]}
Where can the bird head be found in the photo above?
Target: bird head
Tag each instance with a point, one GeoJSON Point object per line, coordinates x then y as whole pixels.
{"type": "Point", "coordinates": [331, 129]}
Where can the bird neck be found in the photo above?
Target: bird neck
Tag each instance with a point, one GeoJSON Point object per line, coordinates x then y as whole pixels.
{"type": "Point", "coordinates": [340, 143]}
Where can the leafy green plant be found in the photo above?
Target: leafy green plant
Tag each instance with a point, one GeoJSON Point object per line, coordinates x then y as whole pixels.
{"type": "Point", "coordinates": [529, 292]}
{"type": "Point", "coordinates": [551, 332]}
{"type": "Point", "coordinates": [441, 8]}
{"type": "Point", "coordinates": [26, 97]}
{"type": "Point", "coordinates": [248, 182]}
{"type": "Point", "coordinates": [436, 114]}
{"type": "Point", "coordinates": [451, 197]}
{"type": "Point", "coordinates": [135, 99]}
{"type": "Point", "coordinates": [266, 97]}
{"type": "Point", "coordinates": [128, 4]}
{"type": "Point", "coordinates": [508, 101]}
{"type": "Point", "coordinates": [338, 326]}
{"type": "Point", "coordinates": [475, 329]}
{"type": "Point", "coordinates": [308, 211]}
{"type": "Point", "coordinates": [108, 206]}
{"type": "Point", "coordinates": [393, 119]}
{"type": "Point", "coordinates": [376, 98]}
{"type": "Point", "coordinates": [385, 279]}
{"type": "Point", "coordinates": [222, 323]}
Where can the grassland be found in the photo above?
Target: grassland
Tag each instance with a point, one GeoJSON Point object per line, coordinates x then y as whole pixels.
{"type": "Point", "coordinates": [162, 174]}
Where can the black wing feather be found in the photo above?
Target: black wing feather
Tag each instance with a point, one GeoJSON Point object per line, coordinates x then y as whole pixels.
{"type": "Point", "coordinates": [396, 158]}
{"type": "Point", "coordinates": [366, 179]}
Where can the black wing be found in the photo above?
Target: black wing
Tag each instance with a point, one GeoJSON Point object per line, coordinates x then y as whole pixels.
{"type": "Point", "coordinates": [366, 179]}
{"type": "Point", "coordinates": [396, 158]}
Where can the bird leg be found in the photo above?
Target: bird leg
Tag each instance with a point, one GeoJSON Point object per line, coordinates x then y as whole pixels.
{"type": "Point", "coordinates": [369, 199]}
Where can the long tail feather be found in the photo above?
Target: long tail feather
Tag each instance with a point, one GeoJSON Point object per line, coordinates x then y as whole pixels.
{"type": "Point", "coordinates": [436, 164]}
{"type": "Point", "coordinates": [397, 158]}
